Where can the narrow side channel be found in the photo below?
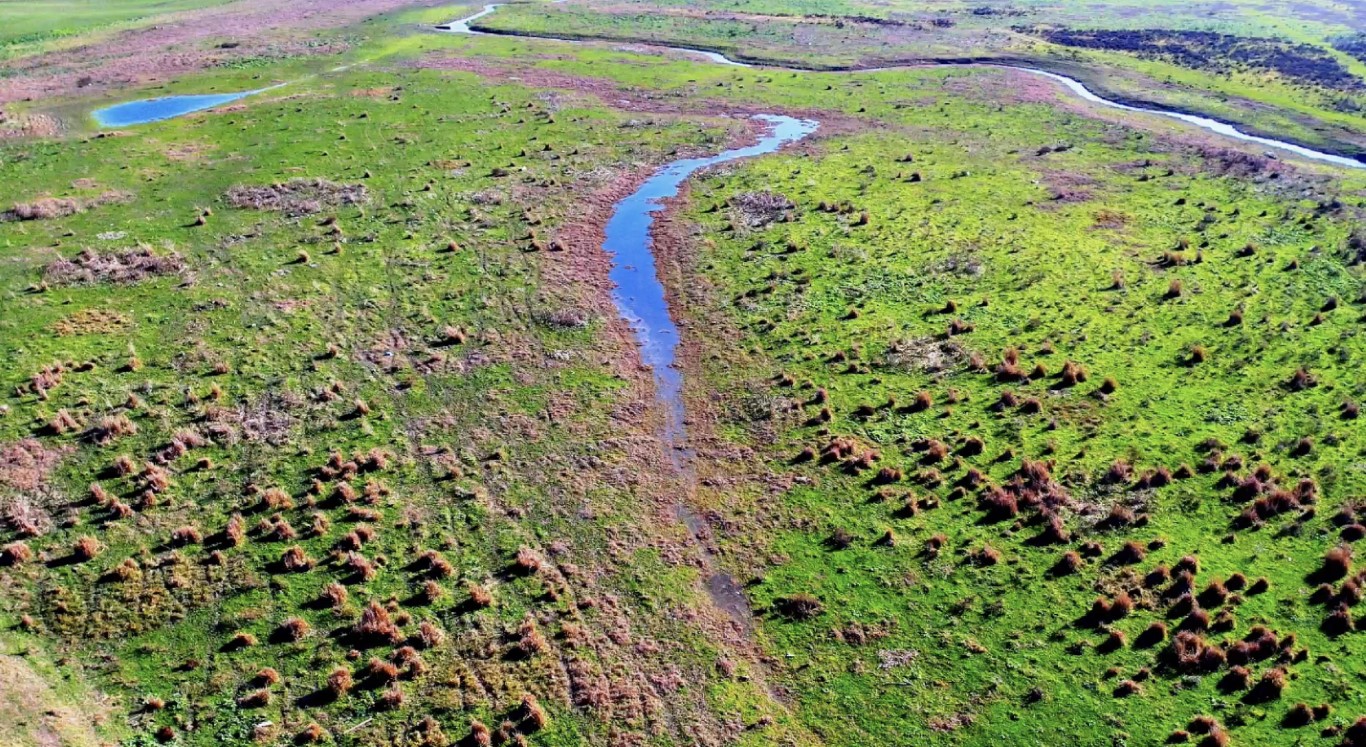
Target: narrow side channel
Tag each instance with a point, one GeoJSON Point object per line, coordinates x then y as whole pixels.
{"type": "Point", "coordinates": [639, 294]}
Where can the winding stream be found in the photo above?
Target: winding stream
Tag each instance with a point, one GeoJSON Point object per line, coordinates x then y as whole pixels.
{"type": "Point", "coordinates": [640, 300]}
{"type": "Point", "coordinates": [461, 26]}
{"type": "Point", "coordinates": [639, 294]}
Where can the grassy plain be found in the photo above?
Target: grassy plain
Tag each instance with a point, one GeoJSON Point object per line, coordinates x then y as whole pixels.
{"type": "Point", "coordinates": [29, 23]}
{"type": "Point", "coordinates": [435, 315]}
{"type": "Point", "coordinates": [872, 35]}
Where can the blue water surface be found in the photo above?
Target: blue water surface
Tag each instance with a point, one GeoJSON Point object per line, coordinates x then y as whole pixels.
{"type": "Point", "coordinates": [155, 110]}
{"type": "Point", "coordinates": [639, 294]}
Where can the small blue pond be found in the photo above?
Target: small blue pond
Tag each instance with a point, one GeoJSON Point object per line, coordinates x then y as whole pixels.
{"type": "Point", "coordinates": [639, 294]}
{"type": "Point", "coordinates": [155, 110]}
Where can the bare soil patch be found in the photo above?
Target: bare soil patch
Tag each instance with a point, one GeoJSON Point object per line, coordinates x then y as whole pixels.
{"type": "Point", "coordinates": [296, 197]}
{"type": "Point", "coordinates": [130, 266]}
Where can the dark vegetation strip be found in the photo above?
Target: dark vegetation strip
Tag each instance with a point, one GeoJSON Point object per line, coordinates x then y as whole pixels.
{"type": "Point", "coordinates": [1212, 52]}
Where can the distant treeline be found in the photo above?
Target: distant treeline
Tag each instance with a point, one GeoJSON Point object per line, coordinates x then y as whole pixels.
{"type": "Point", "coordinates": [1214, 52]}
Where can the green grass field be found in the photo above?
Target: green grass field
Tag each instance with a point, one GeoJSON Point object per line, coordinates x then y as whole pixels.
{"type": "Point", "coordinates": [33, 22]}
{"type": "Point", "coordinates": [1019, 423]}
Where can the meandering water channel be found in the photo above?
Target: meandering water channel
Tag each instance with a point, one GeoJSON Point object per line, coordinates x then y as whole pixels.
{"type": "Point", "coordinates": [639, 293]}
{"type": "Point", "coordinates": [461, 26]}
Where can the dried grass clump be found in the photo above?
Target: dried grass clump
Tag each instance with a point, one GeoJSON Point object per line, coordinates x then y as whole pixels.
{"type": "Point", "coordinates": [235, 533]}
{"type": "Point", "coordinates": [1300, 380]}
{"type": "Point", "coordinates": [1131, 553]}
{"type": "Point", "coordinates": [1069, 563]}
{"type": "Point", "coordinates": [534, 717]}
{"type": "Point", "coordinates": [295, 560]}
{"type": "Point", "coordinates": [86, 548]}
{"type": "Point", "coordinates": [25, 516]}
{"type": "Point", "coordinates": [240, 640]}
{"type": "Point", "coordinates": [1119, 473]}
{"type": "Point", "coordinates": [798, 606]}
{"type": "Point", "coordinates": [294, 629]}
{"type": "Point", "coordinates": [15, 553]}
{"type": "Point", "coordinates": [380, 670]}
{"type": "Point", "coordinates": [339, 681]}
{"type": "Point", "coordinates": [480, 735]}
{"type": "Point", "coordinates": [1270, 686]}
{"type": "Point", "coordinates": [109, 429]}
{"type": "Point", "coordinates": [361, 566]}
{"type": "Point", "coordinates": [62, 422]}
{"type": "Point", "coordinates": [1337, 562]}
{"type": "Point", "coordinates": [126, 267]}
{"type": "Point", "coordinates": [429, 634]}
{"type": "Point", "coordinates": [529, 639]}
{"type": "Point", "coordinates": [276, 499]}
{"type": "Point", "coordinates": [436, 564]}
{"type": "Point", "coordinates": [986, 556]}
{"type": "Point", "coordinates": [479, 596]}
{"type": "Point", "coordinates": [311, 734]}
{"type": "Point", "coordinates": [1155, 633]}
{"type": "Point", "coordinates": [391, 699]}
{"type": "Point", "coordinates": [297, 197]}
{"type": "Point", "coordinates": [376, 625]}
{"type": "Point", "coordinates": [527, 561]}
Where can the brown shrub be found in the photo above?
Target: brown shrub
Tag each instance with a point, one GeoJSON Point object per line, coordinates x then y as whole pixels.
{"type": "Point", "coordinates": [1336, 563]}
{"type": "Point", "coordinates": [480, 596]}
{"type": "Point", "coordinates": [293, 629]}
{"type": "Point", "coordinates": [431, 592]}
{"type": "Point", "coordinates": [256, 699]}
{"type": "Point", "coordinates": [361, 566]}
{"type": "Point", "coordinates": [380, 670]}
{"type": "Point", "coordinates": [15, 553]}
{"type": "Point", "coordinates": [86, 548]}
{"type": "Point", "coordinates": [1119, 473]}
{"type": "Point", "coordinates": [186, 535]}
{"type": "Point", "coordinates": [335, 595]}
{"type": "Point", "coordinates": [798, 606]}
{"type": "Point", "coordinates": [1189, 564]}
{"type": "Point", "coordinates": [295, 559]}
{"type": "Point", "coordinates": [1300, 380]}
{"type": "Point", "coordinates": [429, 634]}
{"type": "Point", "coordinates": [1155, 633]}
{"type": "Point", "coordinates": [1132, 552]}
{"type": "Point", "coordinates": [530, 641]}
{"type": "Point", "coordinates": [534, 717]}
{"type": "Point", "coordinates": [986, 556]}
{"type": "Point", "coordinates": [375, 624]}
{"type": "Point", "coordinates": [480, 735]}
{"type": "Point", "coordinates": [1068, 564]}
{"type": "Point", "coordinates": [1127, 688]}
{"type": "Point", "coordinates": [276, 499]}
{"type": "Point", "coordinates": [527, 561]}
{"type": "Point", "coordinates": [1072, 374]}
{"type": "Point", "coordinates": [339, 681]}
{"type": "Point", "coordinates": [241, 640]}
{"type": "Point", "coordinates": [236, 530]}
{"type": "Point", "coordinates": [391, 699]}
{"type": "Point", "coordinates": [110, 428]}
